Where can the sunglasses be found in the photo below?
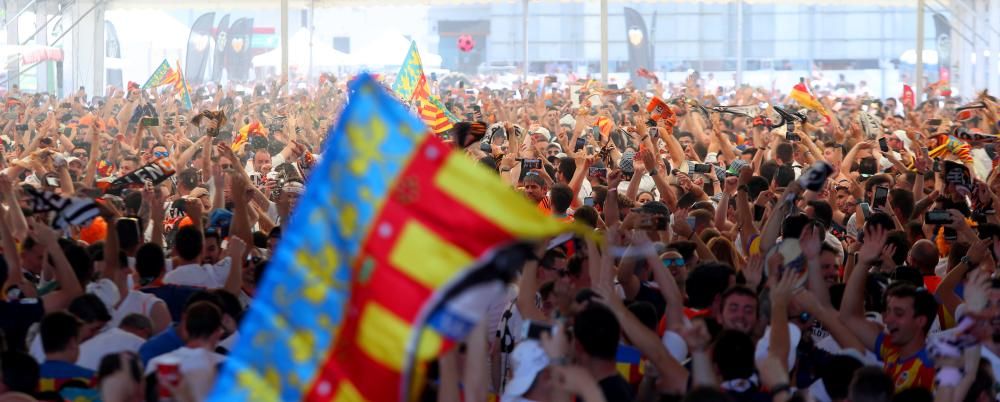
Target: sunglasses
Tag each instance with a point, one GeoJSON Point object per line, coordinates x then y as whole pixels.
{"type": "Point", "coordinates": [158, 154]}
{"type": "Point", "coordinates": [80, 155]}
{"type": "Point", "coordinates": [673, 262]}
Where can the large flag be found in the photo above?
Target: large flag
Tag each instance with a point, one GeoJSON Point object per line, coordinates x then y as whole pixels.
{"type": "Point", "coordinates": [801, 95]}
{"type": "Point", "coordinates": [159, 75]}
{"type": "Point", "coordinates": [377, 274]}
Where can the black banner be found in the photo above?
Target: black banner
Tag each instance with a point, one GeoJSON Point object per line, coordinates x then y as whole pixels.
{"type": "Point", "coordinates": [238, 52]}
{"type": "Point", "coordinates": [942, 36]}
{"type": "Point", "coordinates": [196, 62]}
{"type": "Point", "coordinates": [639, 51]}
{"type": "Point", "coordinates": [219, 51]}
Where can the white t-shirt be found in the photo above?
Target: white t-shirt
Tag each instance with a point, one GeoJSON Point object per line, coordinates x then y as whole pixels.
{"type": "Point", "coordinates": [113, 340]}
{"type": "Point", "coordinates": [200, 275]}
{"type": "Point", "coordinates": [135, 302]}
{"type": "Point", "coordinates": [195, 361]}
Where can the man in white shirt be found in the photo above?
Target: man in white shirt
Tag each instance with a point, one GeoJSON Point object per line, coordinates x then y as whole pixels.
{"type": "Point", "coordinates": [129, 336]}
{"type": "Point", "coordinates": [203, 326]}
{"type": "Point", "coordinates": [189, 248]}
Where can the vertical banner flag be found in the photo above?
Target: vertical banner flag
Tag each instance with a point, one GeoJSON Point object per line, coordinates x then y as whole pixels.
{"type": "Point", "coordinates": [377, 275]}
{"type": "Point", "coordinates": [158, 76]}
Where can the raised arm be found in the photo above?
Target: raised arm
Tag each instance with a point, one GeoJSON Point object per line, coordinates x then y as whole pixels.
{"type": "Point", "coordinates": [852, 308]}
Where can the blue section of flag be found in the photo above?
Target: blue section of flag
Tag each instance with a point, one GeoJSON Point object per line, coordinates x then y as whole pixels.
{"type": "Point", "coordinates": [628, 354]}
{"type": "Point", "coordinates": [288, 332]}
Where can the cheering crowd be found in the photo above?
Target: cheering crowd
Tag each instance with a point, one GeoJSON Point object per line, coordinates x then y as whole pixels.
{"type": "Point", "coordinates": [752, 251]}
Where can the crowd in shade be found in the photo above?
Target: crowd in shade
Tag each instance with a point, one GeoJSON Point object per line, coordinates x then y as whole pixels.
{"type": "Point", "coordinates": [748, 245]}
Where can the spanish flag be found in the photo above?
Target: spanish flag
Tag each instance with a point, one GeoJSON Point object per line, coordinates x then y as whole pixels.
{"type": "Point", "coordinates": [801, 95]}
{"type": "Point", "coordinates": [378, 274]}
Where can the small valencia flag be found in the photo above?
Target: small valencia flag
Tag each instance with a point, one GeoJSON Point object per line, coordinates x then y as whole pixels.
{"type": "Point", "coordinates": [377, 274]}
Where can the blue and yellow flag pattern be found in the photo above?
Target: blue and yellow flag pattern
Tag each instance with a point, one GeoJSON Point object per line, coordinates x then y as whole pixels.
{"type": "Point", "coordinates": [158, 76]}
{"type": "Point", "coordinates": [381, 230]}
{"type": "Point", "coordinates": [411, 77]}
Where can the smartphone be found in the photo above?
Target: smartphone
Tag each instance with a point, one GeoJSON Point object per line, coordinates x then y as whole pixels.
{"type": "Point", "coordinates": [867, 167]}
{"type": "Point", "coordinates": [596, 132]}
{"type": "Point", "coordinates": [486, 147]}
{"type": "Point", "coordinates": [881, 196]}
{"type": "Point", "coordinates": [950, 234]}
{"type": "Point", "coordinates": [690, 221]}
{"type": "Point", "coordinates": [21, 127]}
{"type": "Point", "coordinates": [635, 108]}
{"type": "Point", "coordinates": [758, 212]}
{"type": "Point", "coordinates": [51, 181]}
{"type": "Point", "coordinates": [150, 121]}
{"type": "Point", "coordinates": [533, 329]}
{"type": "Point", "coordinates": [866, 210]}
{"type": "Point", "coordinates": [937, 217]}
{"type": "Point", "coordinates": [702, 168]}
{"type": "Point", "coordinates": [588, 201]}
{"type": "Point", "coordinates": [530, 164]}
{"type": "Point", "coordinates": [599, 172]}
{"type": "Point", "coordinates": [791, 136]}
{"type": "Point", "coordinates": [937, 165]}
{"type": "Point", "coordinates": [883, 144]}
{"type": "Point", "coordinates": [580, 143]}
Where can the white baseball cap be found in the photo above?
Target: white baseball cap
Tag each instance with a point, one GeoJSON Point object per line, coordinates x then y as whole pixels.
{"type": "Point", "coordinates": [527, 360]}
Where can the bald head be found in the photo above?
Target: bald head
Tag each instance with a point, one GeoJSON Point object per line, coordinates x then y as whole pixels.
{"type": "Point", "coordinates": [923, 256]}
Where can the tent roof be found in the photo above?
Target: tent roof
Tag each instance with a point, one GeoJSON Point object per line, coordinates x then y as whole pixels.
{"type": "Point", "coordinates": [257, 4]}
{"type": "Point", "coordinates": [298, 55]}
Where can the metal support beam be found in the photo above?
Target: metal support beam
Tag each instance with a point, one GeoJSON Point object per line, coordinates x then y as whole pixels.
{"type": "Point", "coordinates": [524, 40]}
{"type": "Point", "coordinates": [604, 41]}
{"type": "Point", "coordinates": [739, 43]}
{"type": "Point", "coordinates": [284, 38]}
{"type": "Point", "coordinates": [992, 66]}
{"type": "Point", "coordinates": [918, 80]}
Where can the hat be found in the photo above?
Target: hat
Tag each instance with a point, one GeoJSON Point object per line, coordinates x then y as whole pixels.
{"type": "Point", "coordinates": [527, 360]}
{"type": "Point", "coordinates": [543, 131]}
{"type": "Point", "coordinates": [71, 159]}
{"type": "Point", "coordinates": [293, 187]}
{"type": "Point", "coordinates": [653, 208]}
{"type": "Point", "coordinates": [626, 162]}
{"type": "Point", "coordinates": [901, 135]}
{"type": "Point", "coordinates": [198, 192]}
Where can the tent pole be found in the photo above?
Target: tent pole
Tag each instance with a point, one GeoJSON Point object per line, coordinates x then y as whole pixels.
{"type": "Point", "coordinates": [524, 41]}
{"type": "Point", "coordinates": [604, 41]}
{"type": "Point", "coordinates": [284, 38]}
{"type": "Point", "coordinates": [918, 83]}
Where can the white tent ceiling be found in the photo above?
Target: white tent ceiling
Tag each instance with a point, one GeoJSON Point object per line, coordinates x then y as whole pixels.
{"type": "Point", "coordinates": [322, 55]}
{"type": "Point", "coordinates": [258, 4]}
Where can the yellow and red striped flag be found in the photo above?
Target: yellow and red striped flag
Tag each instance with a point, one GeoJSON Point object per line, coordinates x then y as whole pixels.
{"type": "Point", "coordinates": [378, 274]}
{"type": "Point", "coordinates": [801, 95]}
{"type": "Point", "coordinates": [434, 117]}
